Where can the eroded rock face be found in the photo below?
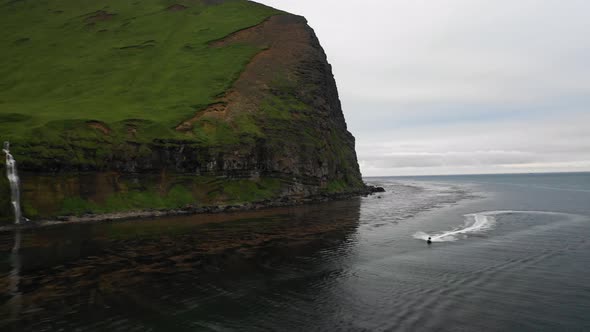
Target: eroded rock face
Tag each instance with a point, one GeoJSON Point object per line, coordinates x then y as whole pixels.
{"type": "Point", "coordinates": [314, 141]}
{"type": "Point", "coordinates": [308, 139]}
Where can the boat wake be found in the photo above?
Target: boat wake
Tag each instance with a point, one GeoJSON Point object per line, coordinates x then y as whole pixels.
{"type": "Point", "coordinates": [478, 223]}
{"type": "Point", "coordinates": [474, 223]}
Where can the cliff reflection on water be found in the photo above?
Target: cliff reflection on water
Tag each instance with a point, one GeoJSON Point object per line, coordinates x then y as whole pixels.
{"type": "Point", "coordinates": [94, 275]}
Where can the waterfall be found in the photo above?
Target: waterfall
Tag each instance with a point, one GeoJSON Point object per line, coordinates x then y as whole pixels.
{"type": "Point", "coordinates": [12, 175]}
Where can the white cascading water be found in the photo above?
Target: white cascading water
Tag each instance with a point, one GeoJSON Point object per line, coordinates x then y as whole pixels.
{"type": "Point", "coordinates": [12, 175]}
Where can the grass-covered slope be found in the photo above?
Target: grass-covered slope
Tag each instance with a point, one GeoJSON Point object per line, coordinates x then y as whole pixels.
{"type": "Point", "coordinates": [126, 105]}
{"type": "Point", "coordinates": [64, 62]}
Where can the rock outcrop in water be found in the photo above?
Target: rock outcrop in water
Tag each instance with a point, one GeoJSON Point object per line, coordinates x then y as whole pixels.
{"type": "Point", "coordinates": [271, 128]}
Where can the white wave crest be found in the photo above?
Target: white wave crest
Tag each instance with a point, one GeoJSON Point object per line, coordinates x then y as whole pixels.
{"type": "Point", "coordinates": [484, 221]}
{"type": "Point", "coordinates": [474, 223]}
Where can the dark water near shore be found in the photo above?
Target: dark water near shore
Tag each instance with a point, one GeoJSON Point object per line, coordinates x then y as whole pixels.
{"type": "Point", "coordinates": [510, 252]}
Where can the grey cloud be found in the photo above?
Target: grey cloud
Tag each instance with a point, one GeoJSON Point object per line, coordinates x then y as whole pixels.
{"type": "Point", "coordinates": [553, 141]}
{"type": "Point", "coordinates": [475, 158]}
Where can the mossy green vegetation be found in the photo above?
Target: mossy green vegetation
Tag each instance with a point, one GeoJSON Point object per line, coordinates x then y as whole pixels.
{"type": "Point", "coordinates": [246, 190]}
{"type": "Point", "coordinates": [226, 191]}
{"type": "Point", "coordinates": [47, 196]}
{"type": "Point", "coordinates": [66, 62]}
{"type": "Point", "coordinates": [336, 186]}
{"type": "Point", "coordinates": [133, 200]}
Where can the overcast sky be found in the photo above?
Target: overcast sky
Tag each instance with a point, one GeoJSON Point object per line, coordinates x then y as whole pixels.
{"type": "Point", "coordinates": [460, 86]}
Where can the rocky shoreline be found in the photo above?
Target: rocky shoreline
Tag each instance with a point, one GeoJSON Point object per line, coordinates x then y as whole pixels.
{"type": "Point", "coordinates": [285, 201]}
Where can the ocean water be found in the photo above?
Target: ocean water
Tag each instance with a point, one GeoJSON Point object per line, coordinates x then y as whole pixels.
{"type": "Point", "coordinates": [509, 253]}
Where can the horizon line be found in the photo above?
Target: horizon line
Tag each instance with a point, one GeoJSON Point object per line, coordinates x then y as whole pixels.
{"type": "Point", "coordinates": [473, 174]}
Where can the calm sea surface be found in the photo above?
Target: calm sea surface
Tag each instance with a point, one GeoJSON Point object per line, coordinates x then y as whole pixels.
{"type": "Point", "coordinates": [509, 253]}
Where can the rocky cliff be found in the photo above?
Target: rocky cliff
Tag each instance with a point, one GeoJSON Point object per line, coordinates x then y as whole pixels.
{"type": "Point", "coordinates": [203, 103]}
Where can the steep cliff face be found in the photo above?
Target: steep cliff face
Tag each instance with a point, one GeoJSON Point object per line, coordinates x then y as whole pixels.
{"type": "Point", "coordinates": [290, 92]}
{"type": "Point", "coordinates": [270, 127]}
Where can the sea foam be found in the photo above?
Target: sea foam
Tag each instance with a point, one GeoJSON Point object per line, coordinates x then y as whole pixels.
{"type": "Point", "coordinates": [474, 223]}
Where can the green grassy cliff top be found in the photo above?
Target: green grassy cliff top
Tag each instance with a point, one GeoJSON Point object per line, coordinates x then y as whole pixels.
{"type": "Point", "coordinates": [66, 62]}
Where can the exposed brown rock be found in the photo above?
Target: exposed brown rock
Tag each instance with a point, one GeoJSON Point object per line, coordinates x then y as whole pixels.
{"type": "Point", "coordinates": [99, 16]}
{"type": "Point", "coordinates": [217, 110]}
{"type": "Point", "coordinates": [176, 8]}
{"type": "Point", "coordinates": [213, 2]}
{"type": "Point", "coordinates": [100, 126]}
{"type": "Point", "coordinates": [287, 40]}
